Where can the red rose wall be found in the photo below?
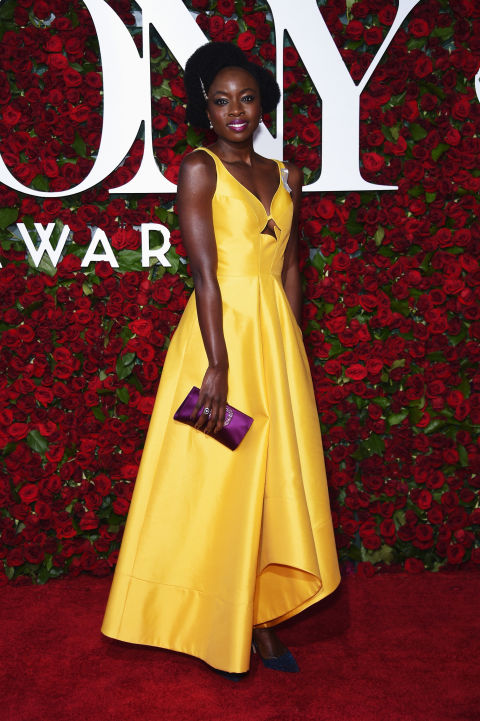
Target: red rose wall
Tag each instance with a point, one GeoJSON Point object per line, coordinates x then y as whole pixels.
{"type": "Point", "coordinates": [392, 283]}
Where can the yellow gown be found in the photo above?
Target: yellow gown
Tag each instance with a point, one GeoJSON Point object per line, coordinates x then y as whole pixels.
{"type": "Point", "coordinates": [217, 541]}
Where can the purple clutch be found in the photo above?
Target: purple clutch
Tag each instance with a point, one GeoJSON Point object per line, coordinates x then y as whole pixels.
{"type": "Point", "coordinates": [235, 426]}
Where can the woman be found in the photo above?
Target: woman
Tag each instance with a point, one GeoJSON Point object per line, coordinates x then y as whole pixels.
{"type": "Point", "coordinates": [221, 545]}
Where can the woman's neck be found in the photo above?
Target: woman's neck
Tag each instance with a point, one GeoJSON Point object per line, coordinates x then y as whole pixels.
{"type": "Point", "coordinates": [235, 152]}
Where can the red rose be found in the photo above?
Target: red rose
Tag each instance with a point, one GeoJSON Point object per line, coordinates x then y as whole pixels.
{"type": "Point", "coordinates": [34, 553]}
{"type": "Point", "coordinates": [414, 565]}
{"type": "Point", "coordinates": [424, 500]}
{"type": "Point", "coordinates": [374, 365]}
{"type": "Point", "coordinates": [372, 162]}
{"type": "Point", "coordinates": [121, 506]}
{"type": "Point", "coordinates": [41, 10]}
{"type": "Point", "coordinates": [365, 569]}
{"type": "Point", "coordinates": [11, 116]}
{"type": "Point", "coordinates": [324, 208]}
{"type": "Point", "coordinates": [290, 57]}
{"type": "Point", "coordinates": [177, 87]}
{"type": "Point", "coordinates": [418, 28]}
{"type": "Point", "coordinates": [455, 553]}
{"type": "Point", "coordinates": [17, 431]}
{"type": "Point", "coordinates": [356, 371]}
{"type": "Point", "coordinates": [246, 40]}
{"type": "Point", "coordinates": [423, 536]}
{"type": "Point", "coordinates": [226, 7]}
{"type": "Point", "coordinates": [54, 44]}
{"type": "Point", "coordinates": [123, 238]}
{"type": "Point", "coordinates": [461, 109]}
{"type": "Point", "coordinates": [373, 35]}
{"type": "Point", "coordinates": [231, 30]}
{"type": "Point", "coordinates": [386, 14]}
{"type": "Point", "coordinates": [423, 67]}
{"type": "Point", "coordinates": [387, 528]}
{"type": "Point", "coordinates": [88, 521]}
{"type": "Point", "coordinates": [354, 30]}
{"type": "Point", "coordinates": [143, 328]}
{"type": "Point", "coordinates": [15, 557]}
{"type": "Point", "coordinates": [28, 493]}
{"type": "Point", "coordinates": [74, 46]}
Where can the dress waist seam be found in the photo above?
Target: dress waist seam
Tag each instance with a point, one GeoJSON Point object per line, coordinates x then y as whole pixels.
{"type": "Point", "coordinates": [249, 275]}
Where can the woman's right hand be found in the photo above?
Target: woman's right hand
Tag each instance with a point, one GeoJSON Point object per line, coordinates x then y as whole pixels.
{"type": "Point", "coordinates": [212, 396]}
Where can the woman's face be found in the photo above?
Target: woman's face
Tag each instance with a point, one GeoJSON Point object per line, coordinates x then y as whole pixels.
{"type": "Point", "coordinates": [234, 105]}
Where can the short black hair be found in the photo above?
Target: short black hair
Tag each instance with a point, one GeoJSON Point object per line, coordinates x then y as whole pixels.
{"type": "Point", "coordinates": [203, 66]}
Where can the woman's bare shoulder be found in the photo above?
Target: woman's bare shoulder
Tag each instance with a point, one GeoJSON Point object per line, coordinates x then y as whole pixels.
{"type": "Point", "coordinates": [198, 168]}
{"type": "Point", "coordinates": [295, 174]}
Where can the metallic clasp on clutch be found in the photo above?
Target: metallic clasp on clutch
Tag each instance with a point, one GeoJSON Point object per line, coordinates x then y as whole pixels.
{"type": "Point", "coordinates": [228, 415]}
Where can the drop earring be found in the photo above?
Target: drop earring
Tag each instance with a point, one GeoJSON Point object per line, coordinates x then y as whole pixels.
{"type": "Point", "coordinates": [260, 120]}
{"type": "Point", "coordinates": [210, 124]}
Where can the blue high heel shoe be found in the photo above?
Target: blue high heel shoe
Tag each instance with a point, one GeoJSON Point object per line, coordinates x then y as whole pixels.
{"type": "Point", "coordinates": [285, 662]}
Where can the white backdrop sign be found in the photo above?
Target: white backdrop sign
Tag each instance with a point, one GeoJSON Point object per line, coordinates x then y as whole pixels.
{"type": "Point", "coordinates": [127, 92]}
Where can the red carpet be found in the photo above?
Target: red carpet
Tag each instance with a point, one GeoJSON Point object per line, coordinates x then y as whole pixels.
{"type": "Point", "coordinates": [393, 648]}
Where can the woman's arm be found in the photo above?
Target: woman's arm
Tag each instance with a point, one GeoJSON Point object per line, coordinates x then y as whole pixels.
{"type": "Point", "coordinates": [196, 186]}
{"type": "Point", "coordinates": [291, 272]}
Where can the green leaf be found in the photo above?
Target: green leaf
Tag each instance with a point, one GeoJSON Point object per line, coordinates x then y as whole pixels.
{"type": "Point", "coordinates": [45, 265]}
{"type": "Point", "coordinates": [352, 226]}
{"type": "Point", "coordinates": [464, 387]}
{"type": "Point", "coordinates": [388, 133]}
{"type": "Point", "coordinates": [374, 444]}
{"type": "Point", "coordinates": [379, 235]}
{"type": "Point", "coordinates": [124, 365]}
{"type": "Point", "coordinates": [173, 259]}
{"type": "Point", "coordinates": [99, 414]}
{"type": "Point", "coordinates": [463, 455]}
{"type": "Point", "coordinates": [456, 339]}
{"type": "Point", "coordinates": [37, 442]}
{"type": "Point", "coordinates": [193, 138]}
{"type": "Point", "coordinates": [416, 191]}
{"type": "Point", "coordinates": [7, 9]}
{"type": "Point", "coordinates": [7, 217]}
{"type": "Point", "coordinates": [417, 131]}
{"type": "Point", "coordinates": [9, 572]}
{"type": "Point", "coordinates": [430, 197]}
{"type": "Point", "coordinates": [397, 418]}
{"type": "Point", "coordinates": [435, 425]}
{"type": "Point", "coordinates": [443, 33]}
{"type": "Point", "coordinates": [79, 145]}
{"type": "Point", "coordinates": [382, 402]}
{"type": "Point", "coordinates": [414, 415]}
{"type": "Point", "coordinates": [384, 553]}
{"type": "Point", "coordinates": [386, 252]}
{"type": "Point", "coordinates": [439, 151]}
{"type": "Point", "coordinates": [129, 259]}
{"type": "Point", "coordinates": [40, 183]}
{"type": "Point", "coordinates": [123, 394]}
{"type": "Point", "coordinates": [318, 262]}
{"type": "Point", "coordinates": [416, 43]}
{"type": "Point", "coordinates": [425, 264]}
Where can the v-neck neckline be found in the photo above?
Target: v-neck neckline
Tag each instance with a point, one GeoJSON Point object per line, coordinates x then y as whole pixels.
{"type": "Point", "coordinates": [268, 214]}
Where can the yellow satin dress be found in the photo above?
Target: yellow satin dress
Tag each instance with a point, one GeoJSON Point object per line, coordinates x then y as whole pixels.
{"type": "Point", "coordinates": [217, 541]}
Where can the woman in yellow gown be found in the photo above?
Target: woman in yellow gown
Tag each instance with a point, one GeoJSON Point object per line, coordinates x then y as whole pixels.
{"type": "Point", "coordinates": [220, 544]}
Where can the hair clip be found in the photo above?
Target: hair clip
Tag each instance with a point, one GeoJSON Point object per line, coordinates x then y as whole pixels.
{"type": "Point", "coordinates": [203, 89]}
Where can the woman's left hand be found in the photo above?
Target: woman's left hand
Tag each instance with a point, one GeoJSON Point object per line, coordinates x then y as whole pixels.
{"type": "Point", "coordinates": [212, 398]}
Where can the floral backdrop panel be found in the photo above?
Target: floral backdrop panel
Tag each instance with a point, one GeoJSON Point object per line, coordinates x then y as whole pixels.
{"type": "Point", "coordinates": [391, 316]}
